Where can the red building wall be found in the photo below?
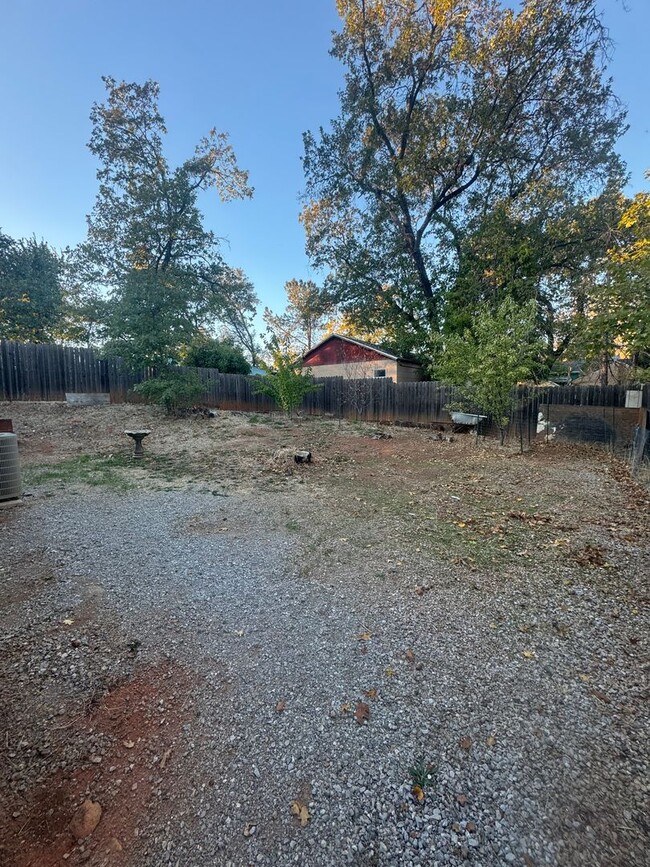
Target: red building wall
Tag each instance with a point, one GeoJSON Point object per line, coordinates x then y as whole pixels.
{"type": "Point", "coordinates": [336, 351]}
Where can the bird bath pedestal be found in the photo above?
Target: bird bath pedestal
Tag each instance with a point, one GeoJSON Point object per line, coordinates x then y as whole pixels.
{"type": "Point", "coordinates": [137, 436]}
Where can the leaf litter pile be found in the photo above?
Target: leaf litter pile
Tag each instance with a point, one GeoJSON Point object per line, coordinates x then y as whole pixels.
{"type": "Point", "coordinates": [407, 652]}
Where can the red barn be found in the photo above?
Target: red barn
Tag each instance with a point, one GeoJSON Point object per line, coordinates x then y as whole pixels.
{"type": "Point", "coordinates": [350, 358]}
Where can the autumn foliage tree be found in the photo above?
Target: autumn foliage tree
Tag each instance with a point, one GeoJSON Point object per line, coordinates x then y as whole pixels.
{"type": "Point", "coordinates": [617, 317]}
{"type": "Point", "coordinates": [454, 111]}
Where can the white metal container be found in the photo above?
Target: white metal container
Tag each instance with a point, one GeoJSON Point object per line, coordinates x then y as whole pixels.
{"type": "Point", "coordinates": [468, 418]}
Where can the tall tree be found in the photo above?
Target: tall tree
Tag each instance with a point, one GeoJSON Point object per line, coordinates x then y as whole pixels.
{"type": "Point", "coordinates": [238, 310]}
{"type": "Point", "coordinates": [146, 241]}
{"type": "Point", "coordinates": [451, 110]}
{"type": "Point", "coordinates": [306, 314]}
{"type": "Point", "coordinates": [31, 296]}
{"type": "Point", "coordinates": [616, 319]}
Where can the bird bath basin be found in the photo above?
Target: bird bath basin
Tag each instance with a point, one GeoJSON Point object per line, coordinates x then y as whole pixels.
{"type": "Point", "coordinates": [137, 436]}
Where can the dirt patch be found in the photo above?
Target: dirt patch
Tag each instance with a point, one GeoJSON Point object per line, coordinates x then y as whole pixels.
{"type": "Point", "coordinates": [137, 723]}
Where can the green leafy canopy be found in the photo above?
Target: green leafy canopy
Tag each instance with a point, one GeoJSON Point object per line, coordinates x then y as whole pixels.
{"type": "Point", "coordinates": [487, 361]}
{"type": "Point", "coordinates": [147, 245]}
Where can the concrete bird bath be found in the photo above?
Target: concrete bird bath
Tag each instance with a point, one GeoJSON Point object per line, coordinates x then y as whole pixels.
{"type": "Point", "coordinates": [137, 436]}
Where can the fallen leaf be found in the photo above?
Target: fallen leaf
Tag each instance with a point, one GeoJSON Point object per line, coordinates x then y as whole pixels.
{"type": "Point", "coordinates": [528, 654]}
{"type": "Point", "coordinates": [128, 744]}
{"type": "Point", "coordinates": [390, 672]}
{"type": "Point", "coordinates": [585, 678]}
{"type": "Point", "coordinates": [418, 793]}
{"type": "Point", "coordinates": [601, 696]}
{"type": "Point", "coordinates": [490, 740]}
{"type": "Point", "coordinates": [528, 861]}
{"type": "Point", "coordinates": [301, 812]}
{"type": "Point", "coordinates": [362, 712]}
{"type": "Point", "coordinates": [165, 758]}
{"type": "Point", "coordinates": [249, 829]}
{"type": "Point", "coordinates": [370, 693]}
{"type": "Point", "coordinates": [280, 706]}
{"type": "Point", "coordinates": [68, 621]}
{"type": "Point", "coordinates": [465, 743]}
{"type": "Point", "coordinates": [365, 636]}
{"type": "Point", "coordinates": [410, 656]}
{"type": "Point", "coordinates": [345, 708]}
{"type": "Point", "coordinates": [471, 827]}
{"type": "Point", "coordinates": [462, 799]}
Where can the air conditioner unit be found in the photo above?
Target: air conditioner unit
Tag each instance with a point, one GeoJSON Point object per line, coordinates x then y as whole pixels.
{"type": "Point", "coordinates": [11, 487]}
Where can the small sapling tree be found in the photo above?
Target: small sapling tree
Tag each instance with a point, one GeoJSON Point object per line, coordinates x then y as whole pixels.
{"type": "Point", "coordinates": [487, 361]}
{"type": "Point", "coordinates": [285, 381]}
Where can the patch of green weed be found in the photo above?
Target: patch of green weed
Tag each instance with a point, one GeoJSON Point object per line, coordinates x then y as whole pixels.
{"type": "Point", "coordinates": [110, 471]}
{"type": "Point", "coordinates": [86, 469]}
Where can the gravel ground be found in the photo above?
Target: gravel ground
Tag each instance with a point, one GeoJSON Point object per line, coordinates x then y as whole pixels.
{"type": "Point", "coordinates": [199, 664]}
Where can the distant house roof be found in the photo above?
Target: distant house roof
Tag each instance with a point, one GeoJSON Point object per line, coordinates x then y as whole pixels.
{"type": "Point", "coordinates": [362, 343]}
{"type": "Point", "coordinates": [618, 371]}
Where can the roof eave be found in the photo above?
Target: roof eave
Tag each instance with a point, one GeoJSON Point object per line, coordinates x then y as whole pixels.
{"type": "Point", "coordinates": [360, 343]}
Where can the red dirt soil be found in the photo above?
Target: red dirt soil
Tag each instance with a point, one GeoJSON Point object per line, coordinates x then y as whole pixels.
{"type": "Point", "coordinates": [140, 720]}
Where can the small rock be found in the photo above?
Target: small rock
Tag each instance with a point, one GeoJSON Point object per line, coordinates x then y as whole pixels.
{"type": "Point", "coordinates": [86, 819]}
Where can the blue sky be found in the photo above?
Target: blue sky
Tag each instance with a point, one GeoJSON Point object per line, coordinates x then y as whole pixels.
{"type": "Point", "coordinates": [259, 70]}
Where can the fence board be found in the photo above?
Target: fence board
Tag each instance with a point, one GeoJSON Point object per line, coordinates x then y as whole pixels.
{"type": "Point", "coordinates": [48, 371]}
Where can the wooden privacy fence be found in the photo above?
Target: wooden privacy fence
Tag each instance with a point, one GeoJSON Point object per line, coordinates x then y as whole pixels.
{"type": "Point", "coordinates": [34, 371]}
{"type": "Point", "coordinates": [48, 371]}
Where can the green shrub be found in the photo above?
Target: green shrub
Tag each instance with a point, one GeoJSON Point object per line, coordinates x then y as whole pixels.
{"type": "Point", "coordinates": [222, 355]}
{"type": "Point", "coordinates": [176, 390]}
{"type": "Point", "coordinates": [285, 381]}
